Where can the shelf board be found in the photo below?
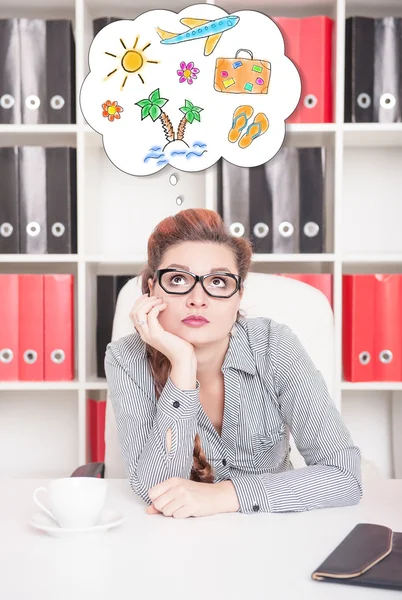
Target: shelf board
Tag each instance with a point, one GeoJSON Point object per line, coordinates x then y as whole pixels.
{"type": "Point", "coordinates": [40, 128]}
{"type": "Point", "coordinates": [310, 134]}
{"type": "Point", "coordinates": [311, 127]}
{"type": "Point", "coordinates": [41, 135]}
{"type": "Point", "coordinates": [371, 386]}
{"type": "Point", "coordinates": [104, 259]}
{"type": "Point", "coordinates": [38, 258]}
{"type": "Point", "coordinates": [96, 383]}
{"type": "Point", "coordinates": [380, 259]}
{"type": "Point", "coordinates": [293, 258]}
{"type": "Point", "coordinates": [30, 386]}
{"type": "Point", "coordinates": [372, 134]}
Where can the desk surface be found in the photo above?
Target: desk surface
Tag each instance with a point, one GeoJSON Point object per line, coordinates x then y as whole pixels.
{"type": "Point", "coordinates": [230, 556]}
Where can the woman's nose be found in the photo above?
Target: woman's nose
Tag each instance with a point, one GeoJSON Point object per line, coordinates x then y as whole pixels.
{"type": "Point", "coordinates": [197, 295]}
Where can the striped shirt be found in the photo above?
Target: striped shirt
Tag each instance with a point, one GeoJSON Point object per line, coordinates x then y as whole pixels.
{"type": "Point", "coordinates": [271, 388]}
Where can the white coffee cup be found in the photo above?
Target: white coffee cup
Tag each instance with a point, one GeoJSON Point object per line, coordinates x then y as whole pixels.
{"type": "Point", "coordinates": [74, 502]}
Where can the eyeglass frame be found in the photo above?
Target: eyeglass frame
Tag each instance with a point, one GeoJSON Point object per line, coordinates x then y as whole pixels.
{"type": "Point", "coordinates": [198, 278]}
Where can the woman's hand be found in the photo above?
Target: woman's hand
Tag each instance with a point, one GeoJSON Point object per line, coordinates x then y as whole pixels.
{"type": "Point", "coordinates": [182, 498]}
{"type": "Point", "coordinates": [144, 315]}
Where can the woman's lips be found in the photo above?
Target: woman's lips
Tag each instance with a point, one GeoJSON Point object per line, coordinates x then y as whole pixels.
{"type": "Point", "coordinates": [195, 321]}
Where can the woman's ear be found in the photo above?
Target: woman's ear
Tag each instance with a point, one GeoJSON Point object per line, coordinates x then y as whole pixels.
{"type": "Point", "coordinates": [150, 283]}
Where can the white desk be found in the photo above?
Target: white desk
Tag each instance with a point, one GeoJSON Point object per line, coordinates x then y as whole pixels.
{"type": "Point", "coordinates": [230, 556]}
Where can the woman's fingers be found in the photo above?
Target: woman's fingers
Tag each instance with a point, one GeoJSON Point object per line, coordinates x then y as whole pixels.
{"type": "Point", "coordinates": [141, 309]}
{"type": "Point", "coordinates": [151, 510]}
{"type": "Point", "coordinates": [153, 323]}
{"type": "Point", "coordinates": [140, 303]}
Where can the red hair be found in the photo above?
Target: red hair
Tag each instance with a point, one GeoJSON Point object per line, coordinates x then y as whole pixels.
{"type": "Point", "coordinates": [191, 225]}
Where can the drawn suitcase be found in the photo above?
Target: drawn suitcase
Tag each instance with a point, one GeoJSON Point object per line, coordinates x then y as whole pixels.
{"type": "Point", "coordinates": [242, 75]}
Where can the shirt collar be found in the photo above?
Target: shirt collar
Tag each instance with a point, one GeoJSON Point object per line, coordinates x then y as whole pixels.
{"type": "Point", "coordinates": [239, 355]}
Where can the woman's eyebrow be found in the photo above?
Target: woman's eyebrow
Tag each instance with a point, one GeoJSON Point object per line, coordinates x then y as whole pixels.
{"type": "Point", "coordinates": [221, 269]}
{"type": "Point", "coordinates": [186, 268]}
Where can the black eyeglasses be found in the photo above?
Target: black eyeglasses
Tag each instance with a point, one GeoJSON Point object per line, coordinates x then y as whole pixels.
{"type": "Point", "coordinates": [217, 285]}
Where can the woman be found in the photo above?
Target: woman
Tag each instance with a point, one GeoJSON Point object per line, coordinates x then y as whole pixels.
{"type": "Point", "coordinates": [203, 395]}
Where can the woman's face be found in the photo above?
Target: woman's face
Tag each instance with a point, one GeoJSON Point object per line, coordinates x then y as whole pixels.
{"type": "Point", "coordinates": [199, 258]}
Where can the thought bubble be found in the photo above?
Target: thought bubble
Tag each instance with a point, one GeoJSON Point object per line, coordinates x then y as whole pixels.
{"type": "Point", "coordinates": [188, 88]}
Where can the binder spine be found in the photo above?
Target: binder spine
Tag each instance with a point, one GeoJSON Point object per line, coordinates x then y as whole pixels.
{"type": "Point", "coordinates": [61, 200]}
{"type": "Point", "coordinates": [33, 70]}
{"type": "Point", "coordinates": [387, 67]}
{"type": "Point", "coordinates": [234, 198]}
{"type": "Point", "coordinates": [282, 174]}
{"type": "Point", "coordinates": [10, 72]}
{"type": "Point", "coordinates": [260, 211]}
{"type": "Point", "coordinates": [106, 295]}
{"type": "Point", "coordinates": [32, 185]}
{"type": "Point", "coordinates": [60, 62]}
{"type": "Point", "coordinates": [9, 204]}
{"type": "Point", "coordinates": [311, 170]}
{"type": "Point", "coordinates": [359, 70]}
{"type": "Point", "coordinates": [101, 22]}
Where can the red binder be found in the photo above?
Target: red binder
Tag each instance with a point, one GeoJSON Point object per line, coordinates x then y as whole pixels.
{"type": "Point", "coordinates": [59, 327]}
{"type": "Point", "coordinates": [321, 281]}
{"type": "Point", "coordinates": [372, 323]}
{"type": "Point", "coordinates": [290, 29]}
{"type": "Point", "coordinates": [388, 328]}
{"type": "Point", "coordinates": [31, 363]}
{"type": "Point", "coordinates": [358, 327]}
{"type": "Point", "coordinates": [308, 43]}
{"type": "Point", "coordinates": [8, 327]}
{"type": "Point", "coordinates": [316, 104]}
{"type": "Point", "coordinates": [96, 429]}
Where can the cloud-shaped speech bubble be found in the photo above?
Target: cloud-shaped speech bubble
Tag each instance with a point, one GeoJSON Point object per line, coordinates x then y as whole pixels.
{"type": "Point", "coordinates": [188, 88]}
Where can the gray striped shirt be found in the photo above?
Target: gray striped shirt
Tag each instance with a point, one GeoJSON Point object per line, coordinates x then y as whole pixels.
{"type": "Point", "coordinates": [271, 387]}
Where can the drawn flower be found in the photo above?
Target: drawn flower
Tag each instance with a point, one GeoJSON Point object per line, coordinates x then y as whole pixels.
{"type": "Point", "coordinates": [111, 110]}
{"type": "Point", "coordinates": [187, 72]}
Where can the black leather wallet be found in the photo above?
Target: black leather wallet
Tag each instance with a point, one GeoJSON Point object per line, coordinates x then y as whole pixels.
{"type": "Point", "coordinates": [370, 555]}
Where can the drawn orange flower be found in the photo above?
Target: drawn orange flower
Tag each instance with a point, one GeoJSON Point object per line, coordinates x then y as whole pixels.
{"type": "Point", "coordinates": [111, 110]}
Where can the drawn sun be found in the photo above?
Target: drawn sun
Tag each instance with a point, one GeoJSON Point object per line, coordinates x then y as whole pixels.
{"type": "Point", "coordinates": [132, 61]}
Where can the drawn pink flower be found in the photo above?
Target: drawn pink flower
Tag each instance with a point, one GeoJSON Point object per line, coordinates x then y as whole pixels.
{"type": "Point", "coordinates": [187, 72]}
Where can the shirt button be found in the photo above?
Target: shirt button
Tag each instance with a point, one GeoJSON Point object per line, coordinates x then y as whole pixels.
{"type": "Point", "coordinates": [224, 462]}
{"type": "Point", "coordinates": [256, 508]}
{"type": "Point", "coordinates": [176, 404]}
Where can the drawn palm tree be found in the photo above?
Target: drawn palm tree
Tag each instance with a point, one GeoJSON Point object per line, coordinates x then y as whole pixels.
{"type": "Point", "coordinates": [191, 113]}
{"type": "Point", "coordinates": [152, 107]}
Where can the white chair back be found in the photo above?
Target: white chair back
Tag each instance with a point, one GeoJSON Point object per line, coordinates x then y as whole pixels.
{"type": "Point", "coordinates": [302, 307]}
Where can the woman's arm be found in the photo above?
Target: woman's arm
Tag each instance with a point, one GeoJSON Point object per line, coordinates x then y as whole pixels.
{"type": "Point", "coordinates": [143, 426]}
{"type": "Point", "coordinates": [333, 474]}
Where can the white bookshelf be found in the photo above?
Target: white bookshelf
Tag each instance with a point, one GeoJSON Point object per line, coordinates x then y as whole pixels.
{"type": "Point", "coordinates": [364, 183]}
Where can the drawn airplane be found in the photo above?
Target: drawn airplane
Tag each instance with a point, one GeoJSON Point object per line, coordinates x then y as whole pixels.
{"type": "Point", "coordinates": [200, 28]}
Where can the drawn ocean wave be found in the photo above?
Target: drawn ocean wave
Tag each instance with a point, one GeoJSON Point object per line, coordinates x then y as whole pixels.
{"type": "Point", "coordinates": [162, 158]}
{"type": "Point", "coordinates": [195, 154]}
{"type": "Point", "coordinates": [149, 156]}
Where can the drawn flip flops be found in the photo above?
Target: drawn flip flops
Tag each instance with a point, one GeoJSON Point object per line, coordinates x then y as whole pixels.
{"type": "Point", "coordinates": [240, 117]}
{"type": "Point", "coordinates": [258, 127]}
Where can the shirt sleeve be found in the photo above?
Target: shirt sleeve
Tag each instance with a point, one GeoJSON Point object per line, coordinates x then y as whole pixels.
{"type": "Point", "coordinates": [332, 476]}
{"type": "Point", "coordinates": [142, 425]}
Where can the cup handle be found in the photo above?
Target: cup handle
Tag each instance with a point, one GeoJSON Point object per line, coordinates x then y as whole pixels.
{"type": "Point", "coordinates": [47, 511]}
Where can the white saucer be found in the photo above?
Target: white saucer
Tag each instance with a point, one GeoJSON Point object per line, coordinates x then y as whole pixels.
{"type": "Point", "coordinates": [108, 519]}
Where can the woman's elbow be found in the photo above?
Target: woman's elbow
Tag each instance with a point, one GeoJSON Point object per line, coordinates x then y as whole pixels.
{"type": "Point", "coordinates": [139, 488]}
{"type": "Point", "coordinates": [352, 476]}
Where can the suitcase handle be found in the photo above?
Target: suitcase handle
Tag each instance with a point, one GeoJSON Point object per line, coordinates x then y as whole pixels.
{"type": "Point", "coordinates": [244, 50]}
